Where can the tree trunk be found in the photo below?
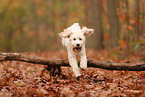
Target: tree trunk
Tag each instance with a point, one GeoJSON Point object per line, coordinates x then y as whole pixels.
{"type": "Point", "coordinates": [143, 18]}
{"type": "Point", "coordinates": [51, 25]}
{"type": "Point", "coordinates": [36, 26]}
{"type": "Point", "coordinates": [64, 14]}
{"type": "Point", "coordinates": [137, 18]}
{"type": "Point", "coordinates": [5, 10]}
{"type": "Point", "coordinates": [113, 22]}
{"type": "Point", "coordinates": [128, 31]}
{"type": "Point", "coordinates": [58, 62]}
{"type": "Point", "coordinates": [9, 39]}
{"type": "Point", "coordinates": [93, 20]}
{"type": "Point", "coordinates": [56, 24]}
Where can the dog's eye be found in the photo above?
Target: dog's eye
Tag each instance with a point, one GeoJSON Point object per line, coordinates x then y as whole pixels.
{"type": "Point", "coordinates": [74, 39]}
{"type": "Point", "coordinates": [80, 39]}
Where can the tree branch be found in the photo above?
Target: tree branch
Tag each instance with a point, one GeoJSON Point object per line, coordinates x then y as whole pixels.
{"type": "Point", "coordinates": [58, 62]}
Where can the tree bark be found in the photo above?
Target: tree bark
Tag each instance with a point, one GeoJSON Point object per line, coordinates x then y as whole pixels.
{"type": "Point", "coordinates": [58, 62]}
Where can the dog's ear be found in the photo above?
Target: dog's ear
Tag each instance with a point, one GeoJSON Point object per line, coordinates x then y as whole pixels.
{"type": "Point", "coordinates": [65, 34]}
{"type": "Point", "coordinates": [87, 32]}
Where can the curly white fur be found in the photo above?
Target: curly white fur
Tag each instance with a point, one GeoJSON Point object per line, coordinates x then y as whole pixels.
{"type": "Point", "coordinates": [74, 38]}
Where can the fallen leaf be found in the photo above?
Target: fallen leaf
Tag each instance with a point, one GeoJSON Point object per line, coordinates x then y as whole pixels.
{"type": "Point", "coordinates": [134, 91]}
{"type": "Point", "coordinates": [19, 83]}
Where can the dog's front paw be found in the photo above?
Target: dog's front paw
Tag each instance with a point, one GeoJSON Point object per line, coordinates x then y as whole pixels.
{"type": "Point", "coordinates": [83, 66]}
{"type": "Point", "coordinates": [76, 72]}
{"type": "Point", "coordinates": [78, 75]}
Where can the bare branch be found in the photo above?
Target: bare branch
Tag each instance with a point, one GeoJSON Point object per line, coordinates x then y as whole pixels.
{"type": "Point", "coordinates": [58, 62]}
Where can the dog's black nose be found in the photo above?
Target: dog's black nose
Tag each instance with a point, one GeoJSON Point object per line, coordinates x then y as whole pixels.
{"type": "Point", "coordinates": [78, 45]}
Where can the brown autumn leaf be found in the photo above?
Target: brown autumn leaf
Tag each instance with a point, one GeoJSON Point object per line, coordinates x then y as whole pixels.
{"type": "Point", "coordinates": [23, 79]}
{"type": "Point", "coordinates": [104, 93]}
{"type": "Point", "coordinates": [128, 81]}
{"type": "Point", "coordinates": [134, 91]}
{"type": "Point", "coordinates": [19, 83]}
{"type": "Point", "coordinates": [5, 93]}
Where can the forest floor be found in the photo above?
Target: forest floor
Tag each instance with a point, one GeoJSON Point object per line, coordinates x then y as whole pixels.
{"type": "Point", "coordinates": [20, 79]}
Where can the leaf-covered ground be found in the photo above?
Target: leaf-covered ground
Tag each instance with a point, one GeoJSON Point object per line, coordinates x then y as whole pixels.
{"type": "Point", "coordinates": [19, 79]}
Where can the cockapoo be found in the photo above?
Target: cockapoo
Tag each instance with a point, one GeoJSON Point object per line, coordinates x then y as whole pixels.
{"type": "Point", "coordinates": [74, 38]}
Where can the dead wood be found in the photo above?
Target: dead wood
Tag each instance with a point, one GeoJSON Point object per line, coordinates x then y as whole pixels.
{"type": "Point", "coordinates": [58, 62]}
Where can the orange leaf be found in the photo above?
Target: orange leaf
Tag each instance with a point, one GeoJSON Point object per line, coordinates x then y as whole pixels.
{"type": "Point", "coordinates": [130, 28]}
{"type": "Point", "coordinates": [122, 43]}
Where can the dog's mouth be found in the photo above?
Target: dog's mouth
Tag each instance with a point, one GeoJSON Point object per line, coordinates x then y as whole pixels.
{"type": "Point", "coordinates": [77, 49]}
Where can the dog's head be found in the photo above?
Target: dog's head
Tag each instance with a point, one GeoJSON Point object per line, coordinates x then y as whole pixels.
{"type": "Point", "coordinates": [76, 35]}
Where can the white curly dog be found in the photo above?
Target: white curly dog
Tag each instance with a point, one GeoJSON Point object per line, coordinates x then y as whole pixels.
{"type": "Point", "coordinates": [74, 38]}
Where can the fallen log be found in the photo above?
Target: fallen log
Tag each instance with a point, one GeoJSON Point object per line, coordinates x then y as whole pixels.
{"type": "Point", "coordinates": [58, 62]}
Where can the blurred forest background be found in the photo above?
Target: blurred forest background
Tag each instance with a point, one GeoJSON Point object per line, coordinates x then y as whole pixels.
{"type": "Point", "coordinates": [33, 25]}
